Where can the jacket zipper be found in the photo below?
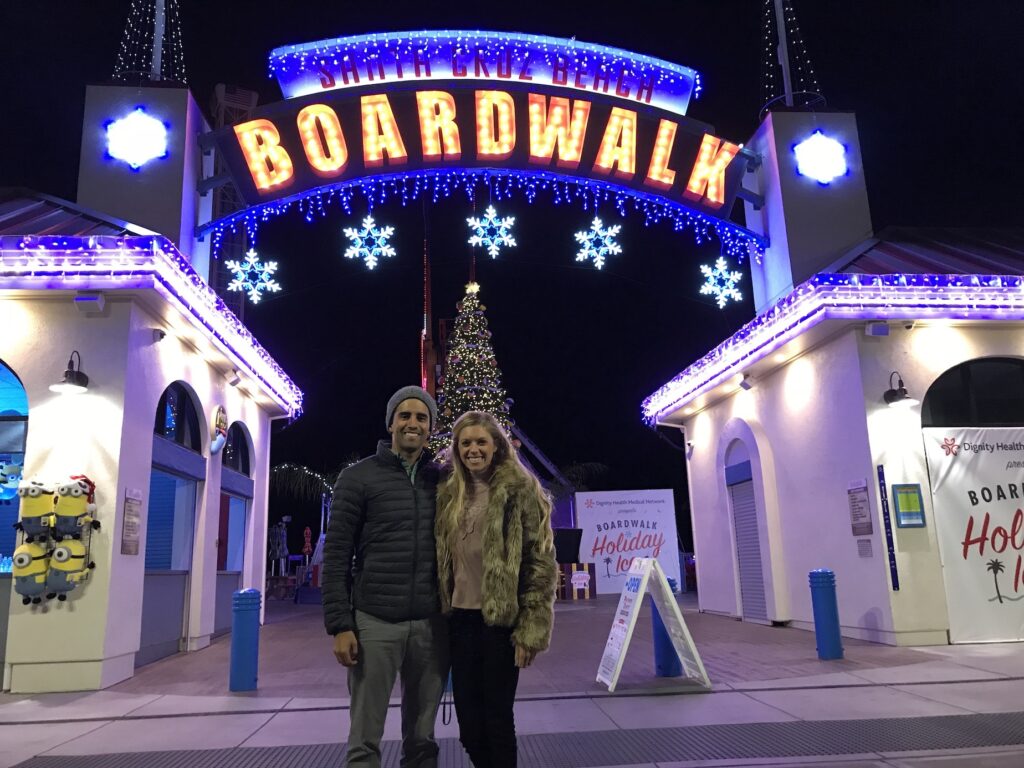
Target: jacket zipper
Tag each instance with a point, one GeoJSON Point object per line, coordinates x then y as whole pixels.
{"type": "Point", "coordinates": [415, 545]}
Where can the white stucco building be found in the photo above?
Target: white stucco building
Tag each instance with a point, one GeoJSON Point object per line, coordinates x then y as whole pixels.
{"type": "Point", "coordinates": [173, 427]}
{"type": "Point", "coordinates": [792, 448]}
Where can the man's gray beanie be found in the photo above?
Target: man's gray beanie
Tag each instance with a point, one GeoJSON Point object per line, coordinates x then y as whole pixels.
{"type": "Point", "coordinates": [414, 393]}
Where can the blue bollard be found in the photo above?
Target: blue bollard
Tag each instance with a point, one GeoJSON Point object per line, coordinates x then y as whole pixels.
{"type": "Point", "coordinates": [666, 660]}
{"type": "Point", "coordinates": [826, 614]}
{"type": "Point", "coordinates": [245, 640]}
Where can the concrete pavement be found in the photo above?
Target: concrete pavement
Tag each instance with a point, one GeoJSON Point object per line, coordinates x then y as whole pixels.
{"type": "Point", "coordinates": [773, 703]}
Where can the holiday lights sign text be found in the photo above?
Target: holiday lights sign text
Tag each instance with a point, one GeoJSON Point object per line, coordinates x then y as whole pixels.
{"type": "Point", "coordinates": [977, 500]}
{"type": "Point", "coordinates": [302, 144]}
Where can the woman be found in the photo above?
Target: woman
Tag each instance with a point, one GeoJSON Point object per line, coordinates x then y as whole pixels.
{"type": "Point", "coordinates": [496, 566]}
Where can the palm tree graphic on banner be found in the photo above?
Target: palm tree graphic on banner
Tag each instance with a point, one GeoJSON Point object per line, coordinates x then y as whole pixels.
{"type": "Point", "coordinates": [995, 567]}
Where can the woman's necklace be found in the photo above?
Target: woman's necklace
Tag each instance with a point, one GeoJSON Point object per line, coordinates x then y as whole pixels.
{"type": "Point", "coordinates": [473, 512]}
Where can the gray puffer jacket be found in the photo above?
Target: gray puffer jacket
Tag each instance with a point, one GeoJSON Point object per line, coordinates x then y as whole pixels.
{"type": "Point", "coordinates": [379, 554]}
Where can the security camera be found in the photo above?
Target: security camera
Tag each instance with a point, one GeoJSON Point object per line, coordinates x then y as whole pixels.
{"type": "Point", "coordinates": [159, 334]}
{"type": "Point", "coordinates": [909, 324]}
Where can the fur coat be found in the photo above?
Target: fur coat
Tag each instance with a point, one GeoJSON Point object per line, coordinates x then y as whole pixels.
{"type": "Point", "coordinates": [519, 573]}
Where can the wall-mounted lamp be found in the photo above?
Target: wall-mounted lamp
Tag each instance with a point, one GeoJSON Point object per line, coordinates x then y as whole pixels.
{"type": "Point", "coordinates": [75, 382]}
{"type": "Point", "coordinates": [897, 397]}
{"type": "Point", "coordinates": [234, 378]}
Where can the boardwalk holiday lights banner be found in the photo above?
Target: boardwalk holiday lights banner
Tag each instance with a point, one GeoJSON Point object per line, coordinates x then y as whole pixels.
{"type": "Point", "coordinates": [619, 526]}
{"type": "Point", "coordinates": [977, 478]}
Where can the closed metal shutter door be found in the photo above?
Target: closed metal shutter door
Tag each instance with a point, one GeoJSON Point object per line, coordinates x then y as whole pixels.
{"type": "Point", "coordinates": [160, 522]}
{"type": "Point", "coordinates": [748, 552]}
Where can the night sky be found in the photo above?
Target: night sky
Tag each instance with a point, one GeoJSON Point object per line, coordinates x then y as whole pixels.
{"type": "Point", "coordinates": [935, 85]}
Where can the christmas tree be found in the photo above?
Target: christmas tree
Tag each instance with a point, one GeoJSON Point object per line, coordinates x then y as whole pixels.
{"type": "Point", "coordinates": [472, 379]}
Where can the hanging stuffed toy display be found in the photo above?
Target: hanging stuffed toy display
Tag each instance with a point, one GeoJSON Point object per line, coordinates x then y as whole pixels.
{"type": "Point", "coordinates": [31, 562]}
{"type": "Point", "coordinates": [57, 524]}
{"type": "Point", "coordinates": [74, 508]}
{"type": "Point", "coordinates": [69, 566]}
{"type": "Point", "coordinates": [36, 509]}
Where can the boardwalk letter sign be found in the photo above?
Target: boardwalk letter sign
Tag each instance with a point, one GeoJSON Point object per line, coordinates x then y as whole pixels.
{"type": "Point", "coordinates": [422, 104]}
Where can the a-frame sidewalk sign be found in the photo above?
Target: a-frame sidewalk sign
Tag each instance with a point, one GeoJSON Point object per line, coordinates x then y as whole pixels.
{"type": "Point", "coordinates": [646, 575]}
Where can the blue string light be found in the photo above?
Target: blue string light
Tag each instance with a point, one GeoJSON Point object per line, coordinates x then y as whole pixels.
{"type": "Point", "coordinates": [841, 296]}
{"type": "Point", "coordinates": [441, 184]}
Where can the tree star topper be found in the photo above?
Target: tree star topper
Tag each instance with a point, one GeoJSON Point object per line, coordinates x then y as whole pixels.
{"type": "Point", "coordinates": [720, 282]}
{"type": "Point", "coordinates": [598, 242]}
{"type": "Point", "coordinates": [253, 276]}
{"type": "Point", "coordinates": [369, 243]}
{"type": "Point", "coordinates": [492, 232]}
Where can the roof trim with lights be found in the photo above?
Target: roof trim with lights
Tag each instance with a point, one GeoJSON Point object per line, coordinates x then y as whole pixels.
{"type": "Point", "coordinates": [843, 297]}
{"type": "Point", "coordinates": [30, 263]}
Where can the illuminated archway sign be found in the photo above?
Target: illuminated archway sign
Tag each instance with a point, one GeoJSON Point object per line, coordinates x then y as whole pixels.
{"type": "Point", "coordinates": [405, 114]}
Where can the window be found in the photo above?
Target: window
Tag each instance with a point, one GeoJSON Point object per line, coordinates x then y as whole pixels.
{"type": "Point", "coordinates": [13, 429]}
{"type": "Point", "coordinates": [231, 536]}
{"type": "Point", "coordinates": [170, 521]}
{"type": "Point", "coordinates": [236, 450]}
{"type": "Point", "coordinates": [987, 392]}
{"type": "Point", "coordinates": [176, 418]}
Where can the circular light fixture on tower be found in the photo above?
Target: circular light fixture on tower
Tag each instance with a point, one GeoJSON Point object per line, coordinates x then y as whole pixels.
{"type": "Point", "coordinates": [821, 158]}
{"type": "Point", "coordinates": [137, 138]}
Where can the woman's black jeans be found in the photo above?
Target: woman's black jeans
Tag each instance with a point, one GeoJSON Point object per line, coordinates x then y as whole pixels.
{"type": "Point", "coordinates": [484, 680]}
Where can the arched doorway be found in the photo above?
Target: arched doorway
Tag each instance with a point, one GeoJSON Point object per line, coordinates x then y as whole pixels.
{"type": "Point", "coordinates": [987, 392]}
{"type": "Point", "coordinates": [178, 469]}
{"type": "Point", "coordinates": [973, 427]}
{"type": "Point", "coordinates": [739, 482]}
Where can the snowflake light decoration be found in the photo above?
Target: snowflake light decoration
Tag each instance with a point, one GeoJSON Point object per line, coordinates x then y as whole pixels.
{"type": "Point", "coordinates": [598, 242]}
{"type": "Point", "coordinates": [821, 157]}
{"type": "Point", "coordinates": [720, 282]}
{"type": "Point", "coordinates": [137, 138]}
{"type": "Point", "coordinates": [369, 243]}
{"type": "Point", "coordinates": [491, 232]}
{"type": "Point", "coordinates": [253, 276]}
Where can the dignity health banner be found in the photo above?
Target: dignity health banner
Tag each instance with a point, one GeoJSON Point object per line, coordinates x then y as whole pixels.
{"type": "Point", "coordinates": [977, 478]}
{"type": "Point", "coordinates": [619, 526]}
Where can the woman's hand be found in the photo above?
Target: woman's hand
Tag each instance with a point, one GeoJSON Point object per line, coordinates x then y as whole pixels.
{"type": "Point", "coordinates": [524, 657]}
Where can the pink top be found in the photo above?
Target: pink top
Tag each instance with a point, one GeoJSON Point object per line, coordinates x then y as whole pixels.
{"type": "Point", "coordinates": [468, 552]}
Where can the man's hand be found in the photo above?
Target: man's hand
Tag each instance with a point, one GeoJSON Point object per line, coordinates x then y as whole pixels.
{"type": "Point", "coordinates": [524, 657]}
{"type": "Point", "coordinates": [346, 648]}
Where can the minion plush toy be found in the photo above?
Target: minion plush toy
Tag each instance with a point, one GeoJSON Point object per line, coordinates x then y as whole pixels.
{"type": "Point", "coordinates": [67, 569]}
{"type": "Point", "coordinates": [74, 508]}
{"type": "Point", "coordinates": [30, 564]}
{"type": "Point", "coordinates": [36, 509]}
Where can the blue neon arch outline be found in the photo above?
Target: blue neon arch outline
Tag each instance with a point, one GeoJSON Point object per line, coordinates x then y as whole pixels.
{"type": "Point", "coordinates": [280, 57]}
{"type": "Point", "coordinates": [502, 182]}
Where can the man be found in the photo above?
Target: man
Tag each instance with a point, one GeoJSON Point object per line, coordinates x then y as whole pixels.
{"type": "Point", "coordinates": [380, 595]}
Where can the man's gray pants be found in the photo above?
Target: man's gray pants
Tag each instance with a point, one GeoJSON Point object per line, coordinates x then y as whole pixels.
{"type": "Point", "coordinates": [417, 652]}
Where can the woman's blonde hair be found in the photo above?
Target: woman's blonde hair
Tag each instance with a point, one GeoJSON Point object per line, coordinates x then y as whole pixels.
{"type": "Point", "coordinates": [504, 455]}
